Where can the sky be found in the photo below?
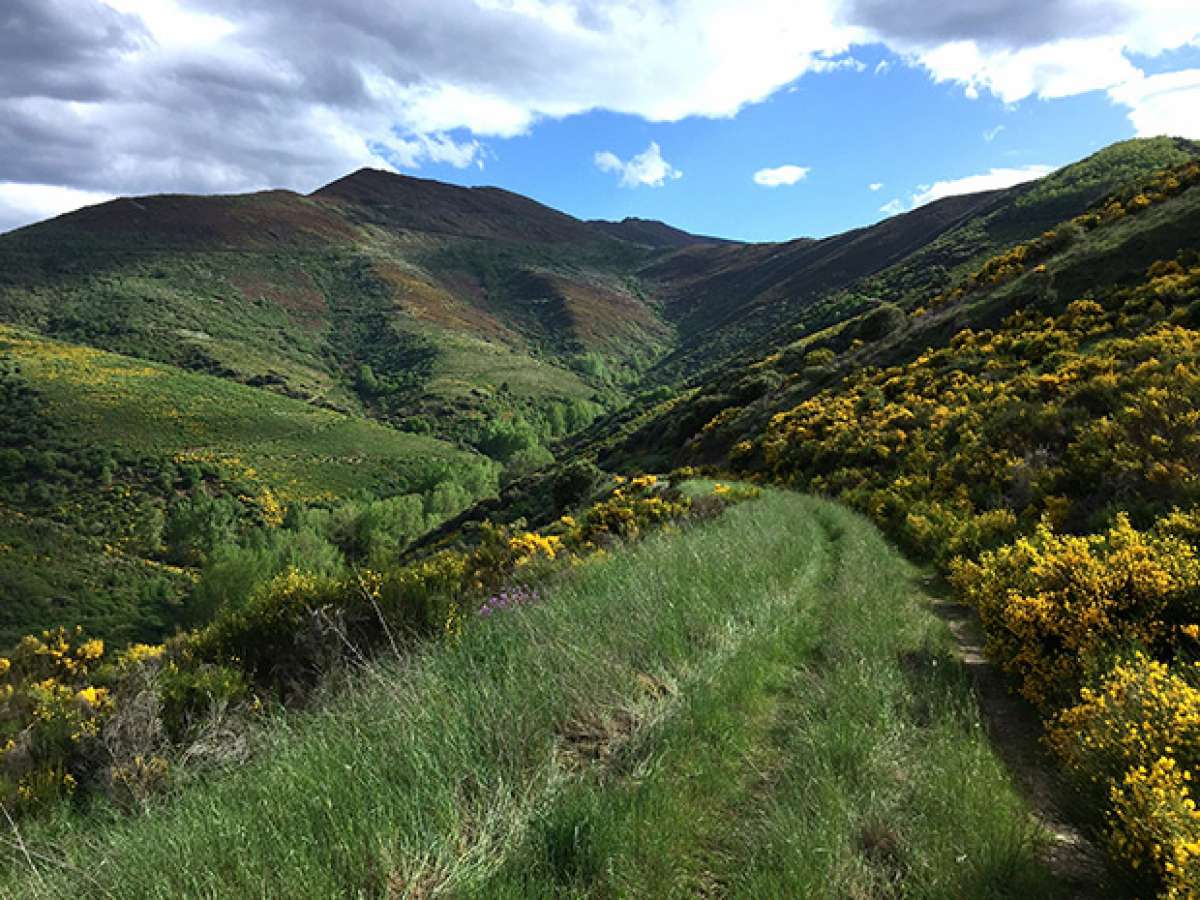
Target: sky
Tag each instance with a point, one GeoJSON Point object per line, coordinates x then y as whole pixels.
{"type": "Point", "coordinates": [748, 119]}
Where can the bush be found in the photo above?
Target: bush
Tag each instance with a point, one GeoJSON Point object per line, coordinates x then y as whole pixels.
{"type": "Point", "coordinates": [199, 525]}
{"type": "Point", "coordinates": [575, 484]}
{"type": "Point", "coordinates": [1052, 604]}
{"type": "Point", "coordinates": [525, 462]}
{"type": "Point", "coordinates": [501, 439]}
{"type": "Point", "coordinates": [234, 572]}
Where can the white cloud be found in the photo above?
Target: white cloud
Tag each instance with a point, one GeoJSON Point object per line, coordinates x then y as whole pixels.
{"type": "Point", "coordinates": [832, 65]}
{"type": "Point", "coordinates": [1049, 71]}
{"type": "Point", "coordinates": [892, 207]}
{"type": "Point", "coordinates": [992, 133]}
{"type": "Point", "coordinates": [24, 203]}
{"type": "Point", "coordinates": [171, 25]}
{"type": "Point", "coordinates": [991, 180]}
{"type": "Point", "coordinates": [1163, 104]}
{"type": "Point", "coordinates": [1021, 48]}
{"type": "Point", "coordinates": [781, 175]}
{"type": "Point", "coordinates": [875, 185]}
{"type": "Point", "coordinates": [647, 168]}
{"type": "Point", "coordinates": [133, 96]}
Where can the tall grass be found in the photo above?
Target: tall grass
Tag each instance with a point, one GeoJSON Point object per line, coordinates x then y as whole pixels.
{"type": "Point", "coordinates": [756, 706]}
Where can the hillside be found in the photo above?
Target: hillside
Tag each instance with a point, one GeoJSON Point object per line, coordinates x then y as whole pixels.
{"type": "Point", "coordinates": [1030, 429]}
{"type": "Point", "coordinates": [653, 233]}
{"type": "Point", "coordinates": [612, 738]}
{"type": "Point", "coordinates": [130, 474]}
{"type": "Point", "coordinates": [394, 445]}
{"type": "Point", "coordinates": [379, 294]}
{"type": "Point", "coordinates": [740, 299]}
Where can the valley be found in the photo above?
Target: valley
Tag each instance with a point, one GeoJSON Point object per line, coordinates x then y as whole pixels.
{"type": "Point", "coordinates": [480, 550]}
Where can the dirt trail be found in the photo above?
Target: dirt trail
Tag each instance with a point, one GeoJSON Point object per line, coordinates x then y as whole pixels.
{"type": "Point", "coordinates": [1016, 732]}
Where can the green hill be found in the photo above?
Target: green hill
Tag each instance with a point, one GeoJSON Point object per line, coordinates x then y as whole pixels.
{"type": "Point", "coordinates": [101, 453]}
{"type": "Point", "coordinates": [267, 432]}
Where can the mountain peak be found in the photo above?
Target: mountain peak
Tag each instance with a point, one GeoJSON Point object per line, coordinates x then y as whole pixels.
{"type": "Point", "coordinates": [392, 200]}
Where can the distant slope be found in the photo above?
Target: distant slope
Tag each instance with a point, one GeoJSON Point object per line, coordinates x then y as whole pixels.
{"type": "Point", "coordinates": [98, 450]}
{"type": "Point", "coordinates": [652, 233]}
{"type": "Point", "coordinates": [362, 297]}
{"type": "Point", "coordinates": [434, 207]}
{"type": "Point", "coordinates": [728, 300]}
{"type": "Point", "coordinates": [404, 299]}
{"type": "Point", "coordinates": [758, 380]}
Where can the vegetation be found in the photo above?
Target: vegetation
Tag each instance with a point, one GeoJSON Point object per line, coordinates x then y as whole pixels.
{"type": "Point", "coordinates": [1043, 456]}
{"type": "Point", "coordinates": [588, 676]}
{"type": "Point", "coordinates": [136, 478]}
{"type": "Point", "coordinates": [647, 726]}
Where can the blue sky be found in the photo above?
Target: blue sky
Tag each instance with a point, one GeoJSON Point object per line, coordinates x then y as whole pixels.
{"type": "Point", "coordinates": [850, 128]}
{"type": "Point", "coordinates": [661, 109]}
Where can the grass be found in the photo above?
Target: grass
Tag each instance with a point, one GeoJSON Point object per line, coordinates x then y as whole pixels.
{"type": "Point", "coordinates": [301, 451]}
{"type": "Point", "coordinates": [758, 706]}
{"type": "Point", "coordinates": [78, 554]}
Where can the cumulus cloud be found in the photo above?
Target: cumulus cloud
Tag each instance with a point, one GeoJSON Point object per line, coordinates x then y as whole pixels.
{"type": "Point", "coordinates": [647, 168]}
{"type": "Point", "coordinates": [1019, 48]}
{"type": "Point", "coordinates": [882, 66]}
{"type": "Point", "coordinates": [875, 186]}
{"type": "Point", "coordinates": [1162, 104]}
{"type": "Point", "coordinates": [134, 96]}
{"type": "Point", "coordinates": [781, 175]}
{"type": "Point", "coordinates": [992, 133]}
{"type": "Point", "coordinates": [991, 180]}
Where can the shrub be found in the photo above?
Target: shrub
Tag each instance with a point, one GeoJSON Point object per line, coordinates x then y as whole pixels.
{"type": "Point", "coordinates": [51, 713]}
{"type": "Point", "coordinates": [1052, 603]}
{"type": "Point", "coordinates": [199, 525]}
{"type": "Point", "coordinates": [1155, 822]}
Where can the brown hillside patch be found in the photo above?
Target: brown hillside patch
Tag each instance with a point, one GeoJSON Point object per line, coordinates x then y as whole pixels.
{"type": "Point", "coordinates": [269, 218]}
{"type": "Point", "coordinates": [297, 293]}
{"type": "Point", "coordinates": [600, 314]}
{"type": "Point", "coordinates": [427, 301]}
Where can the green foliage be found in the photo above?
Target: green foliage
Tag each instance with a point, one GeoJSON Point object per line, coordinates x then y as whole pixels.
{"type": "Point", "coordinates": [502, 439]}
{"type": "Point", "coordinates": [525, 462]}
{"type": "Point", "coordinates": [612, 736]}
{"type": "Point", "coordinates": [198, 526]}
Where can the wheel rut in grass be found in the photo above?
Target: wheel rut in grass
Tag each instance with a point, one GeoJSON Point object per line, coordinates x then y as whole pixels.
{"type": "Point", "coordinates": [1016, 732]}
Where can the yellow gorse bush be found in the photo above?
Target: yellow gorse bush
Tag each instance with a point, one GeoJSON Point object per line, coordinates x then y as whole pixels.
{"type": "Point", "coordinates": [1155, 823]}
{"type": "Point", "coordinates": [1050, 602]}
{"type": "Point", "coordinates": [47, 692]}
{"type": "Point", "coordinates": [1141, 709]}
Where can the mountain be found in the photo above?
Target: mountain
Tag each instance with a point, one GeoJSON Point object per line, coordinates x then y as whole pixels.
{"type": "Point", "coordinates": [653, 233]}
{"type": "Point", "coordinates": [395, 297]}
{"type": "Point", "coordinates": [403, 203]}
{"type": "Point", "coordinates": [356, 431]}
{"type": "Point", "coordinates": [394, 324]}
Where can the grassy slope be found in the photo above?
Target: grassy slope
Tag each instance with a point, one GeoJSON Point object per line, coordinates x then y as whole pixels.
{"type": "Point", "coordinates": [741, 302]}
{"type": "Point", "coordinates": [760, 706]}
{"type": "Point", "coordinates": [300, 451]}
{"type": "Point", "coordinates": [297, 293]}
{"type": "Point", "coordinates": [76, 563]}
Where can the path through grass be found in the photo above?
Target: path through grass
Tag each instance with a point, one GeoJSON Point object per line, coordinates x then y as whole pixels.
{"type": "Point", "coordinates": [761, 706]}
